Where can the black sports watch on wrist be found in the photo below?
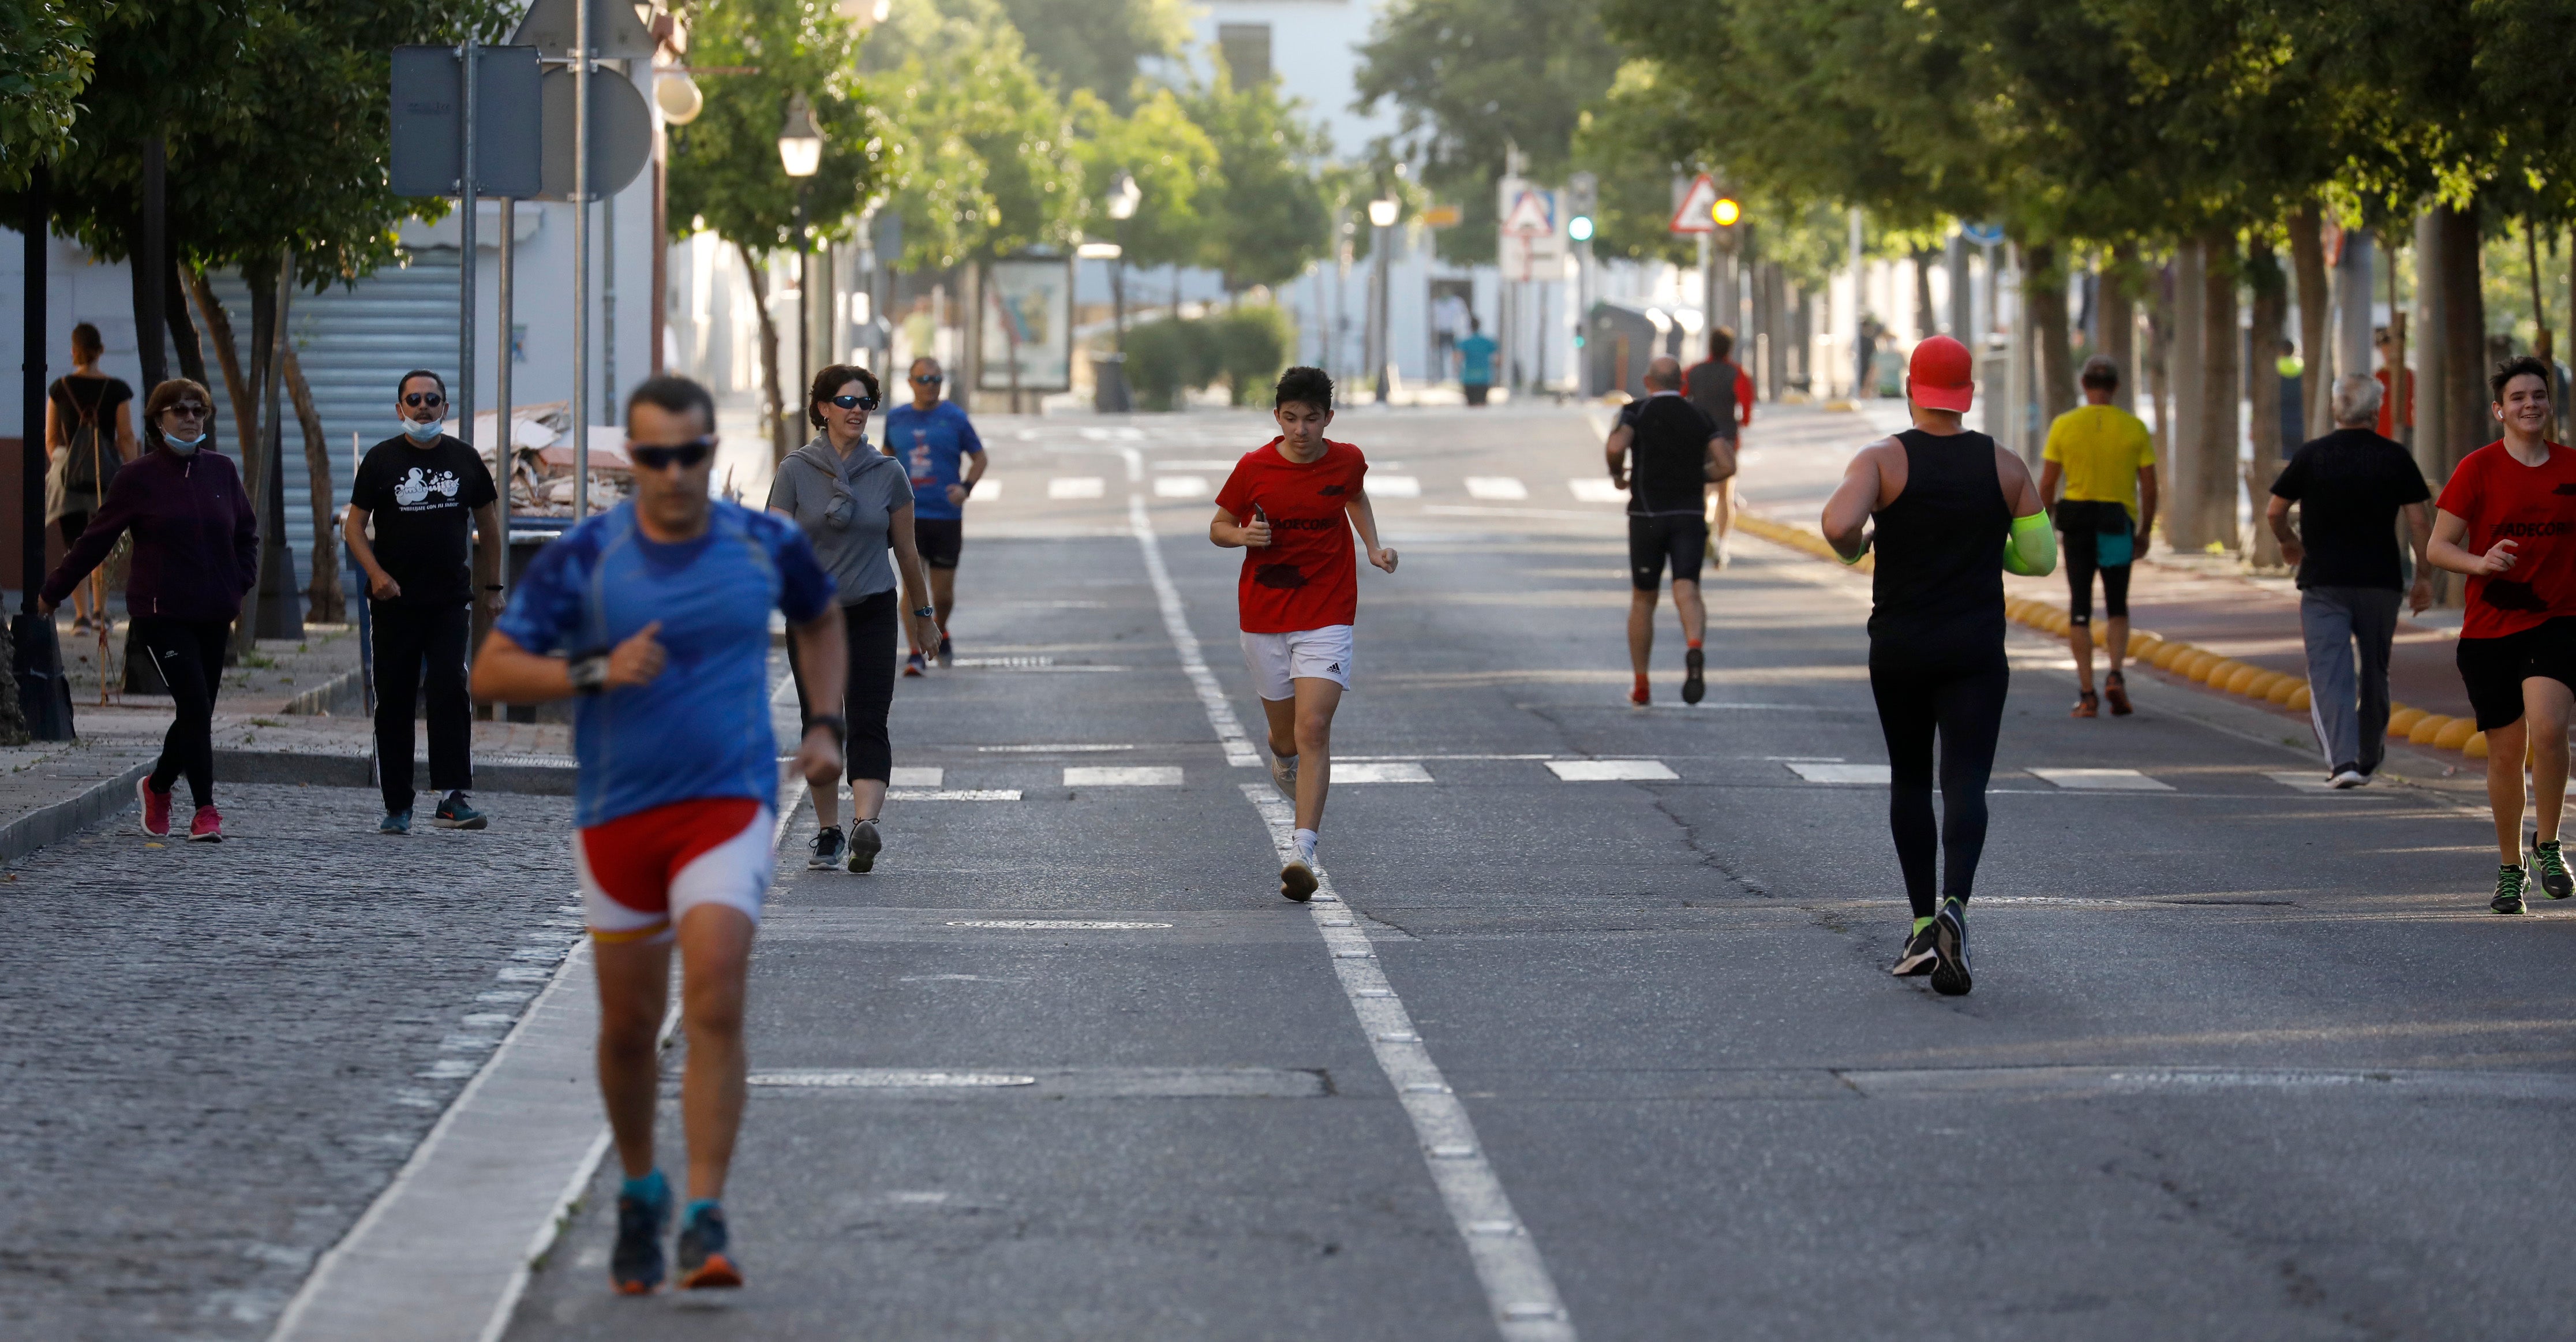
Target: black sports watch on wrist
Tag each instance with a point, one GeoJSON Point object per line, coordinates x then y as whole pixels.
{"type": "Point", "coordinates": [589, 674]}
{"type": "Point", "coordinates": [926, 613]}
{"type": "Point", "coordinates": [840, 725]}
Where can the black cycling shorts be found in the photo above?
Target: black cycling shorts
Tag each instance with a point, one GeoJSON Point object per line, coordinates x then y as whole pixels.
{"type": "Point", "coordinates": [940, 539]}
{"type": "Point", "coordinates": [2493, 669]}
{"type": "Point", "coordinates": [1678, 538]}
{"type": "Point", "coordinates": [2082, 538]}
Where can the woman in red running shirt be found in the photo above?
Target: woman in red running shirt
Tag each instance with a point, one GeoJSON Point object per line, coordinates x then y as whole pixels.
{"type": "Point", "coordinates": [2508, 521]}
{"type": "Point", "coordinates": [1291, 505]}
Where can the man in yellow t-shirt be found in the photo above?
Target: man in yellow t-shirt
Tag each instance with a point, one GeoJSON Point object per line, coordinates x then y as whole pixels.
{"type": "Point", "coordinates": [2105, 462]}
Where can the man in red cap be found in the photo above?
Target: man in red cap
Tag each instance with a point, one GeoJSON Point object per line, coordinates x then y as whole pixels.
{"type": "Point", "coordinates": [1952, 511]}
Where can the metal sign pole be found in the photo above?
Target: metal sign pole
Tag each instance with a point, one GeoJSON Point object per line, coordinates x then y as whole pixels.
{"type": "Point", "coordinates": [465, 183]}
{"type": "Point", "coordinates": [505, 457]}
{"type": "Point", "coordinates": [581, 261]}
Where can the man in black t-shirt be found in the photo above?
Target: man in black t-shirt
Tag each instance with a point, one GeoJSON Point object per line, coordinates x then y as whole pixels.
{"type": "Point", "coordinates": [2350, 486]}
{"type": "Point", "coordinates": [1675, 453]}
{"type": "Point", "coordinates": [417, 489]}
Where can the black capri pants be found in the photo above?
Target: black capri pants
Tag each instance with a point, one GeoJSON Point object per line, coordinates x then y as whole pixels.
{"type": "Point", "coordinates": [869, 625]}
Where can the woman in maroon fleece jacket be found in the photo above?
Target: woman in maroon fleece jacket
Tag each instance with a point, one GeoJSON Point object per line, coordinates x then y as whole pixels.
{"type": "Point", "coordinates": [196, 547]}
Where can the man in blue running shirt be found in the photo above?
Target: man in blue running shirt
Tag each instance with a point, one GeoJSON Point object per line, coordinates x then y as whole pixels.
{"type": "Point", "coordinates": [934, 441]}
{"type": "Point", "coordinates": [656, 615]}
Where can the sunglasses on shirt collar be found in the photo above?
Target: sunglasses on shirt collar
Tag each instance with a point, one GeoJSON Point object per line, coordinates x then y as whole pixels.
{"type": "Point", "coordinates": [663, 458]}
{"type": "Point", "coordinates": [855, 402]}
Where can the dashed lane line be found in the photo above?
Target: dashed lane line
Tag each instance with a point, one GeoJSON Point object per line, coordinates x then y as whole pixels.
{"type": "Point", "coordinates": [1134, 775]}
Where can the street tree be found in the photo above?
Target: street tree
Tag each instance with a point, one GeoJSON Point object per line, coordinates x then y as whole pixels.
{"type": "Point", "coordinates": [1172, 161]}
{"type": "Point", "coordinates": [45, 63]}
{"type": "Point", "coordinates": [1266, 213]}
{"type": "Point", "coordinates": [1096, 45]}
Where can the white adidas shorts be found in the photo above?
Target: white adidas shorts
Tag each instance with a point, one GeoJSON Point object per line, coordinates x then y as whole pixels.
{"type": "Point", "coordinates": [1276, 660]}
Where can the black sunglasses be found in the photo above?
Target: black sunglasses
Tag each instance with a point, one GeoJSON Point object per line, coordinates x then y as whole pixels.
{"type": "Point", "coordinates": [931, 381]}
{"type": "Point", "coordinates": [655, 458]}
{"type": "Point", "coordinates": [421, 398]}
{"type": "Point", "coordinates": [186, 409]}
{"type": "Point", "coordinates": [855, 402]}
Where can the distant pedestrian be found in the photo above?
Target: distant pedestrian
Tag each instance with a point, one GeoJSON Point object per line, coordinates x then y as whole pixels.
{"type": "Point", "coordinates": [2350, 487]}
{"type": "Point", "coordinates": [2396, 403]}
{"type": "Point", "coordinates": [196, 551]}
{"type": "Point", "coordinates": [1720, 388]}
{"type": "Point", "coordinates": [415, 490]}
{"type": "Point", "coordinates": [1476, 363]}
{"type": "Point", "coordinates": [937, 444]}
{"type": "Point", "coordinates": [1865, 357]}
{"type": "Point", "coordinates": [1663, 452]}
{"type": "Point", "coordinates": [89, 433]}
{"type": "Point", "coordinates": [2106, 461]}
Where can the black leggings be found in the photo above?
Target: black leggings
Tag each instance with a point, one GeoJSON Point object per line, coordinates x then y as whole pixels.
{"type": "Point", "coordinates": [1961, 699]}
{"type": "Point", "coordinates": [869, 623]}
{"type": "Point", "coordinates": [189, 654]}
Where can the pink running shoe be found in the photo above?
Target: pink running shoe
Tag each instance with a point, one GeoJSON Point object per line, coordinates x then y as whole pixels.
{"type": "Point", "coordinates": [208, 827]}
{"type": "Point", "coordinates": [156, 808]}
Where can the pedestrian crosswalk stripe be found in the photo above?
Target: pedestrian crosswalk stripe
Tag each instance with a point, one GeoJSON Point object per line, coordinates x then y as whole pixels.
{"type": "Point", "coordinates": [1594, 489]}
{"type": "Point", "coordinates": [1497, 487]}
{"type": "Point", "coordinates": [2102, 780]}
{"type": "Point", "coordinates": [1048, 749]}
{"type": "Point", "coordinates": [891, 1079]}
{"type": "Point", "coordinates": [1138, 775]}
{"type": "Point", "coordinates": [1074, 487]}
{"type": "Point", "coordinates": [1819, 771]}
{"type": "Point", "coordinates": [1612, 771]}
{"type": "Point", "coordinates": [1181, 487]}
{"type": "Point", "coordinates": [1393, 772]}
{"type": "Point", "coordinates": [953, 794]}
{"type": "Point", "coordinates": [1395, 486]}
{"type": "Point", "coordinates": [916, 776]}
{"type": "Point", "coordinates": [987, 490]}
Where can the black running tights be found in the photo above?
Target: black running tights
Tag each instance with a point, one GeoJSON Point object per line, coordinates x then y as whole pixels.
{"type": "Point", "coordinates": [189, 654]}
{"type": "Point", "coordinates": [1961, 701]}
{"type": "Point", "coordinates": [870, 624]}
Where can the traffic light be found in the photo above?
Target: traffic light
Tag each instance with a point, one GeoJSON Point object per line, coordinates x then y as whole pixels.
{"type": "Point", "coordinates": [1582, 197]}
{"type": "Point", "coordinates": [1729, 217]}
{"type": "Point", "coordinates": [1579, 228]}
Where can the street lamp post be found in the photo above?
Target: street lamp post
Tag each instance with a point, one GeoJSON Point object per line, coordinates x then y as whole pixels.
{"type": "Point", "coordinates": [1381, 213]}
{"type": "Point", "coordinates": [1115, 394]}
{"type": "Point", "coordinates": [800, 152]}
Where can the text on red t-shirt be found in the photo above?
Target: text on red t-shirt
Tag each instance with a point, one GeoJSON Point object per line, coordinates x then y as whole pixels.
{"type": "Point", "coordinates": [1306, 578]}
{"type": "Point", "coordinates": [2535, 508]}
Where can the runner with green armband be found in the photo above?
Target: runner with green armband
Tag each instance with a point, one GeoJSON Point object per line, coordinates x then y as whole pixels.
{"type": "Point", "coordinates": [1952, 511]}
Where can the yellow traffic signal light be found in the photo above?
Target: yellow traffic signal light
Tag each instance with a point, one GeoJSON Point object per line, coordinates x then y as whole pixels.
{"type": "Point", "coordinates": [1726, 211]}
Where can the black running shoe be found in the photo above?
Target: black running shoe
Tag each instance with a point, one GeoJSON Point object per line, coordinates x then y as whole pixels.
{"type": "Point", "coordinates": [827, 849]}
{"type": "Point", "coordinates": [947, 651]}
{"type": "Point", "coordinates": [1916, 960]}
{"type": "Point", "coordinates": [706, 1254]}
{"type": "Point", "coordinates": [636, 1266]}
{"type": "Point", "coordinates": [2511, 882]}
{"type": "Point", "coordinates": [1694, 676]}
{"type": "Point", "coordinates": [864, 843]}
{"type": "Point", "coordinates": [1950, 950]}
{"type": "Point", "coordinates": [2550, 869]}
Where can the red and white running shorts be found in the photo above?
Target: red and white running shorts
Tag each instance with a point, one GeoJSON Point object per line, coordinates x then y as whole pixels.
{"type": "Point", "coordinates": [640, 874]}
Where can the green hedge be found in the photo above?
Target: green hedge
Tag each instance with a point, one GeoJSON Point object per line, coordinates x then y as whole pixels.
{"type": "Point", "coordinates": [1247, 347]}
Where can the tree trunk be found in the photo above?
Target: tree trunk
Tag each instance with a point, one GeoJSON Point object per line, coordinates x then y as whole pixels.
{"type": "Point", "coordinates": [219, 328]}
{"type": "Point", "coordinates": [2432, 389]}
{"type": "Point", "coordinates": [2220, 390]}
{"type": "Point", "coordinates": [257, 459]}
{"type": "Point", "coordinates": [1926, 320]}
{"type": "Point", "coordinates": [327, 604]}
{"type": "Point", "coordinates": [2308, 268]}
{"type": "Point", "coordinates": [2156, 371]}
{"type": "Point", "coordinates": [2190, 373]}
{"type": "Point", "coordinates": [183, 333]}
{"type": "Point", "coordinates": [773, 401]}
{"type": "Point", "coordinates": [2466, 425]}
{"type": "Point", "coordinates": [2047, 289]}
{"type": "Point", "coordinates": [2119, 322]}
{"type": "Point", "coordinates": [2263, 376]}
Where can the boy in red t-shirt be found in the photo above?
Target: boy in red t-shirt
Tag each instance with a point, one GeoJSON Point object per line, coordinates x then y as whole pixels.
{"type": "Point", "coordinates": [2508, 521]}
{"type": "Point", "coordinates": [1291, 504]}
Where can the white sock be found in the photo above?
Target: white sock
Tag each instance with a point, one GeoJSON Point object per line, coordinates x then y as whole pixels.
{"type": "Point", "coordinates": [1306, 844]}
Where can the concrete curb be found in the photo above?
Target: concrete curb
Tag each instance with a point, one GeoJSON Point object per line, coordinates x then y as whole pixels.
{"type": "Point", "coordinates": [522, 773]}
{"type": "Point", "coordinates": [341, 694]}
{"type": "Point", "coordinates": [51, 824]}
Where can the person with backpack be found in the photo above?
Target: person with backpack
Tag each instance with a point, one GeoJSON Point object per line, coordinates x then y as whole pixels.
{"type": "Point", "coordinates": [89, 433]}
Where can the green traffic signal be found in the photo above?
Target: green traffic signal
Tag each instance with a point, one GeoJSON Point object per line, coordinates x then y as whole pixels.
{"type": "Point", "coordinates": [1579, 228]}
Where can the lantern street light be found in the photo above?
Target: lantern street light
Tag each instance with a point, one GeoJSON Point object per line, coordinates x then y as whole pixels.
{"type": "Point", "coordinates": [1381, 214]}
{"type": "Point", "coordinates": [800, 152]}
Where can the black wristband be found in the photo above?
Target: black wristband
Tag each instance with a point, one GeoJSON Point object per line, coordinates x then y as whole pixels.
{"type": "Point", "coordinates": [840, 725]}
{"type": "Point", "coordinates": [967, 485]}
{"type": "Point", "coordinates": [589, 674]}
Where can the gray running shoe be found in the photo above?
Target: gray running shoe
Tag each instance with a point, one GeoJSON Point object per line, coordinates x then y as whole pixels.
{"type": "Point", "coordinates": [864, 845]}
{"type": "Point", "coordinates": [1283, 772]}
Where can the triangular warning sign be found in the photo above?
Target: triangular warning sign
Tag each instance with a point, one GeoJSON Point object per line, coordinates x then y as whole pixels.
{"type": "Point", "coordinates": [1692, 215]}
{"type": "Point", "coordinates": [614, 31]}
{"type": "Point", "coordinates": [1528, 217]}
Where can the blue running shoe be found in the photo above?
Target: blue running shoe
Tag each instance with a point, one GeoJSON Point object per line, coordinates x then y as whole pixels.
{"type": "Point", "coordinates": [457, 813]}
{"type": "Point", "coordinates": [706, 1254]}
{"type": "Point", "coordinates": [636, 1265]}
{"type": "Point", "coordinates": [396, 822]}
{"type": "Point", "coordinates": [1950, 950]}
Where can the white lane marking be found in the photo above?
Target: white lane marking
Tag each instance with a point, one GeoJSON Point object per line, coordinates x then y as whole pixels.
{"type": "Point", "coordinates": [1182, 487]}
{"type": "Point", "coordinates": [1339, 760]}
{"type": "Point", "coordinates": [1056, 924]}
{"type": "Point", "coordinates": [1208, 465]}
{"type": "Point", "coordinates": [953, 794]}
{"type": "Point", "coordinates": [1125, 775]}
{"type": "Point", "coordinates": [2101, 780]}
{"type": "Point", "coordinates": [1819, 771]}
{"type": "Point", "coordinates": [1023, 662]}
{"type": "Point", "coordinates": [1594, 489]}
{"type": "Point", "coordinates": [987, 490]}
{"type": "Point", "coordinates": [1394, 486]}
{"type": "Point", "coordinates": [1612, 771]}
{"type": "Point", "coordinates": [1526, 1307]}
{"type": "Point", "coordinates": [1176, 626]}
{"type": "Point", "coordinates": [917, 776]}
{"type": "Point", "coordinates": [1497, 488]}
{"type": "Point", "coordinates": [1489, 510]}
{"type": "Point", "coordinates": [1048, 750]}
{"type": "Point", "coordinates": [1405, 771]}
{"type": "Point", "coordinates": [1806, 759]}
{"type": "Point", "coordinates": [1076, 487]}
{"type": "Point", "coordinates": [892, 1079]}
{"type": "Point", "coordinates": [2308, 781]}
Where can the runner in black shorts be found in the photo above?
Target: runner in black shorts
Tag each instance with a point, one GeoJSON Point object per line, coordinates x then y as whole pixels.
{"type": "Point", "coordinates": [2507, 519]}
{"type": "Point", "coordinates": [1676, 450]}
{"type": "Point", "coordinates": [1953, 511]}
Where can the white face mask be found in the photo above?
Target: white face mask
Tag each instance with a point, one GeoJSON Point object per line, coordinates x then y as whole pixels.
{"type": "Point", "coordinates": [423, 433]}
{"type": "Point", "coordinates": [183, 446]}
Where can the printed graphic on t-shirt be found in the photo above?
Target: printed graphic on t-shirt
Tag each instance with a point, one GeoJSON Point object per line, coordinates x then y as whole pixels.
{"type": "Point", "coordinates": [925, 472]}
{"type": "Point", "coordinates": [419, 486]}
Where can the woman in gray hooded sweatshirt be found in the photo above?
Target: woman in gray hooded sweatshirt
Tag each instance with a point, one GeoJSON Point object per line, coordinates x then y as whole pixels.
{"type": "Point", "coordinates": [854, 504]}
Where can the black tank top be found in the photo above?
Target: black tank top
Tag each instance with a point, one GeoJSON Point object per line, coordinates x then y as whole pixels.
{"type": "Point", "coordinates": [1940, 546]}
